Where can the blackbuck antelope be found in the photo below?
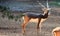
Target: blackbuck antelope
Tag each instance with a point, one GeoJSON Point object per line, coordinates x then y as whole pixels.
{"type": "Point", "coordinates": [40, 17]}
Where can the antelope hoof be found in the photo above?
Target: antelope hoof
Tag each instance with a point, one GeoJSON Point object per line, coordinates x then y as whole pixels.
{"type": "Point", "coordinates": [23, 31]}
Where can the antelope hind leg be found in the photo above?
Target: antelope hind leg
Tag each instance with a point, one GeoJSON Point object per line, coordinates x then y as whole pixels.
{"type": "Point", "coordinates": [26, 20]}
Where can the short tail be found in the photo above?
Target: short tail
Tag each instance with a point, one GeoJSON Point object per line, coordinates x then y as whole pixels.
{"type": "Point", "coordinates": [23, 17]}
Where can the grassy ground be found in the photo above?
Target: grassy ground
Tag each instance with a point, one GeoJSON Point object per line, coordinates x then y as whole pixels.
{"type": "Point", "coordinates": [15, 28]}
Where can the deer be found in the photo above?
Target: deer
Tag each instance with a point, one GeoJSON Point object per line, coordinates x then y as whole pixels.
{"type": "Point", "coordinates": [40, 17]}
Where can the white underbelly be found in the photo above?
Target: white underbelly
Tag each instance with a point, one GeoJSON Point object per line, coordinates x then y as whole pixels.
{"type": "Point", "coordinates": [36, 20]}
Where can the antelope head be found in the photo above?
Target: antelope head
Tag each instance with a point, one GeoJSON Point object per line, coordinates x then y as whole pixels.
{"type": "Point", "coordinates": [45, 9]}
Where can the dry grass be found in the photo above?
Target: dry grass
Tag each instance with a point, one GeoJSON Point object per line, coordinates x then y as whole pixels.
{"type": "Point", "coordinates": [13, 28]}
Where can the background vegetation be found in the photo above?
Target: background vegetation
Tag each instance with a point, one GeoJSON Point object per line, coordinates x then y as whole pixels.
{"type": "Point", "coordinates": [57, 4]}
{"type": "Point", "coordinates": [7, 13]}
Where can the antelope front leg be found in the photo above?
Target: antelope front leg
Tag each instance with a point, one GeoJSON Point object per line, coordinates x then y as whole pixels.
{"type": "Point", "coordinates": [38, 23]}
{"type": "Point", "coordinates": [40, 26]}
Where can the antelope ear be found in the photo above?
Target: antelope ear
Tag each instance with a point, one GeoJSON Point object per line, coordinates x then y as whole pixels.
{"type": "Point", "coordinates": [49, 9]}
{"type": "Point", "coordinates": [49, 13]}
